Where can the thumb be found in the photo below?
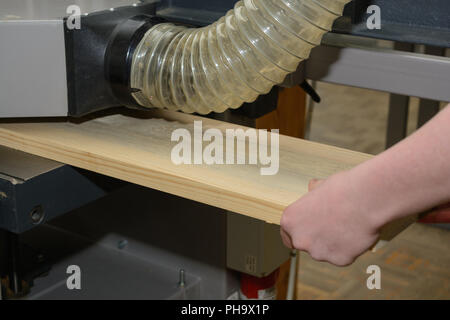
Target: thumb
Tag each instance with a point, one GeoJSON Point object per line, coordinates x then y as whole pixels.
{"type": "Point", "coordinates": [314, 183]}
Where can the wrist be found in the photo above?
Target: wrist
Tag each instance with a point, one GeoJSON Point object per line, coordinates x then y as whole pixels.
{"type": "Point", "coordinates": [367, 197]}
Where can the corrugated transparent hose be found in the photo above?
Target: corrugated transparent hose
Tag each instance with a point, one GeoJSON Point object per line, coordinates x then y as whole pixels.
{"type": "Point", "coordinates": [232, 61]}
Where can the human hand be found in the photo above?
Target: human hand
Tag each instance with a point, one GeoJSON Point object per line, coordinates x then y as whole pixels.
{"type": "Point", "coordinates": [332, 222]}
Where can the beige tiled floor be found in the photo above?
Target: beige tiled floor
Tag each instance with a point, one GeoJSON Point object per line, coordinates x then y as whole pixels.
{"type": "Point", "coordinates": [414, 265]}
{"type": "Point", "coordinates": [354, 118]}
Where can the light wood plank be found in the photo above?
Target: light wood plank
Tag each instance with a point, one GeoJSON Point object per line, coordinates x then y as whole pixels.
{"type": "Point", "coordinates": [136, 147]}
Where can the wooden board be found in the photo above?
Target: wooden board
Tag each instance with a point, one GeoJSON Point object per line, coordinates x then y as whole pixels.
{"type": "Point", "coordinates": [136, 147]}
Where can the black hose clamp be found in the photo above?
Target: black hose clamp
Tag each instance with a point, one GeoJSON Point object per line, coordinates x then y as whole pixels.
{"type": "Point", "coordinates": [119, 55]}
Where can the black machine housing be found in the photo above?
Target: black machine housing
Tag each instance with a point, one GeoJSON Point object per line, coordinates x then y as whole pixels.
{"type": "Point", "coordinates": [98, 57]}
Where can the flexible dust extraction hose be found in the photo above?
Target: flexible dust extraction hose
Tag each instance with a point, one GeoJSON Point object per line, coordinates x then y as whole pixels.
{"type": "Point", "coordinates": [232, 61]}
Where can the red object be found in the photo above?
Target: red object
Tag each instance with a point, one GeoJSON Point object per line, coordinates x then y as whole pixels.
{"type": "Point", "coordinates": [250, 285]}
{"type": "Point", "coordinates": [440, 215]}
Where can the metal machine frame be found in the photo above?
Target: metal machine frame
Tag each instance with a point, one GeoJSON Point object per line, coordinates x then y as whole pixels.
{"type": "Point", "coordinates": [79, 81]}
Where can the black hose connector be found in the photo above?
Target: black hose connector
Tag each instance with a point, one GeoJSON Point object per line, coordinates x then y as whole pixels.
{"type": "Point", "coordinates": [119, 55]}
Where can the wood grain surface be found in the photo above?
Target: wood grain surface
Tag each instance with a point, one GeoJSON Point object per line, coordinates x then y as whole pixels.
{"type": "Point", "coordinates": [136, 147]}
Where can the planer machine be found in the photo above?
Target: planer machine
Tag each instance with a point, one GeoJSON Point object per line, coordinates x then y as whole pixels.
{"type": "Point", "coordinates": [62, 58]}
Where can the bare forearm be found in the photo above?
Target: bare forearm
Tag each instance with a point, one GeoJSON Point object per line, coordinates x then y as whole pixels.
{"type": "Point", "coordinates": [411, 177]}
{"type": "Point", "coordinates": [340, 218]}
